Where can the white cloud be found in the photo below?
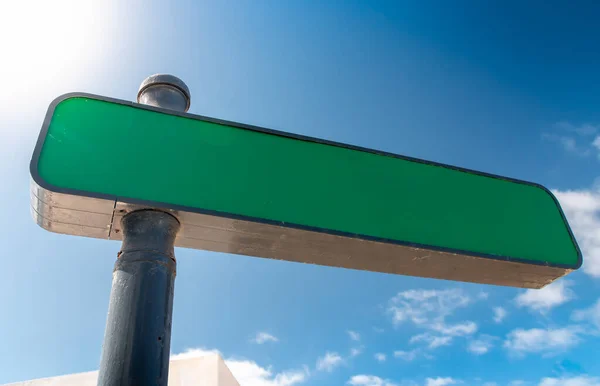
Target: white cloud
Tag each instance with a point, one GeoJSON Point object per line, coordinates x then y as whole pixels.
{"type": "Point", "coordinates": [263, 337]}
{"type": "Point", "coordinates": [490, 384]}
{"type": "Point", "coordinates": [406, 355]}
{"type": "Point", "coordinates": [568, 144]}
{"type": "Point", "coordinates": [194, 353]}
{"type": "Point", "coordinates": [439, 341]}
{"type": "Point", "coordinates": [583, 380]}
{"type": "Point", "coordinates": [544, 299]}
{"type": "Point", "coordinates": [517, 382]}
{"type": "Point", "coordinates": [585, 129]}
{"type": "Point", "coordinates": [432, 341]}
{"type": "Point", "coordinates": [355, 351]}
{"type": "Point", "coordinates": [369, 380]}
{"type": "Point", "coordinates": [425, 306]}
{"type": "Point", "coordinates": [354, 335]}
{"type": "Point", "coordinates": [582, 209]}
{"type": "Point", "coordinates": [576, 141]}
{"type": "Point", "coordinates": [499, 314]}
{"type": "Point", "coordinates": [330, 361]}
{"type": "Point", "coordinates": [482, 345]}
{"type": "Point", "coordinates": [289, 378]}
{"type": "Point", "coordinates": [439, 381]}
{"type": "Point", "coordinates": [378, 330]}
{"type": "Point", "coordinates": [591, 315]}
{"type": "Point", "coordinates": [380, 357]}
{"type": "Point", "coordinates": [460, 329]}
{"type": "Point", "coordinates": [536, 340]}
{"type": "Point", "coordinates": [249, 373]}
{"type": "Point", "coordinates": [428, 309]}
{"type": "Point", "coordinates": [596, 143]}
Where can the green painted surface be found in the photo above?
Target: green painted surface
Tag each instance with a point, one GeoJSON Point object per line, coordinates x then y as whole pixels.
{"type": "Point", "coordinates": [124, 151]}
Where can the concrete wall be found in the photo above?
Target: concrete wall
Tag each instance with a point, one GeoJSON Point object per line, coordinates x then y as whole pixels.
{"type": "Point", "coordinates": [80, 379]}
{"type": "Point", "coordinates": [225, 376]}
{"type": "Point", "coordinates": [209, 370]}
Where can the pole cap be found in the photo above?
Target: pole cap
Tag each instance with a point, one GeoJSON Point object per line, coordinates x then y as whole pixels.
{"type": "Point", "coordinates": [166, 91]}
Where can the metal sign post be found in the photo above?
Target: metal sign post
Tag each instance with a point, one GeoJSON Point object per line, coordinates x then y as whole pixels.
{"type": "Point", "coordinates": [138, 328]}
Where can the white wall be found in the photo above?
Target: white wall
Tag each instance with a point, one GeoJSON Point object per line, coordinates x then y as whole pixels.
{"type": "Point", "coordinates": [209, 370]}
{"type": "Point", "coordinates": [80, 379]}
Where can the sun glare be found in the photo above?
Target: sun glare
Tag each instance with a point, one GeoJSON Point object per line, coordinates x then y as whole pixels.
{"type": "Point", "coordinates": [44, 41]}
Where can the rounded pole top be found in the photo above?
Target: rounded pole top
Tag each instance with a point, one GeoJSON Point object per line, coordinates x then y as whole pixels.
{"type": "Point", "coordinates": [165, 91]}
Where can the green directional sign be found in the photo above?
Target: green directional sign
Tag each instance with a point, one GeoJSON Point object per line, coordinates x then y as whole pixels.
{"type": "Point", "coordinates": [248, 190]}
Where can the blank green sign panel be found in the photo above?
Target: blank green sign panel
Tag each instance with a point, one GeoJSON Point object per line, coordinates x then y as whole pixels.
{"type": "Point", "coordinates": [97, 147]}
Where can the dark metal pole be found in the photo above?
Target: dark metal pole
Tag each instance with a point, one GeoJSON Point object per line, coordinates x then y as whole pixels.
{"type": "Point", "coordinates": [138, 330]}
{"type": "Point", "coordinates": [137, 339]}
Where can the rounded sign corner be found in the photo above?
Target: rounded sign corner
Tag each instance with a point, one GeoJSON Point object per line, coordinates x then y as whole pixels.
{"type": "Point", "coordinates": [579, 257]}
{"type": "Point", "coordinates": [579, 261]}
{"type": "Point", "coordinates": [61, 98]}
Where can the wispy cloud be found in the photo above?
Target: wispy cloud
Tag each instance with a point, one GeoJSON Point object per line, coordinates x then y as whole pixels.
{"type": "Point", "coordinates": [428, 309]}
{"type": "Point", "coordinates": [596, 143]}
{"type": "Point", "coordinates": [585, 129]}
{"type": "Point", "coordinates": [264, 337]}
{"type": "Point", "coordinates": [329, 362]}
{"type": "Point", "coordinates": [431, 341]}
{"type": "Point", "coordinates": [517, 382]}
{"type": "Point", "coordinates": [440, 381]}
{"type": "Point", "coordinates": [355, 336]}
{"type": "Point", "coordinates": [380, 357]}
{"type": "Point", "coordinates": [583, 380]}
{"type": "Point", "coordinates": [536, 340]}
{"type": "Point", "coordinates": [459, 329]}
{"type": "Point", "coordinates": [355, 351]}
{"type": "Point", "coordinates": [591, 315]}
{"type": "Point", "coordinates": [423, 307]}
{"type": "Point", "coordinates": [482, 345]}
{"type": "Point", "coordinates": [574, 139]}
{"type": "Point", "coordinates": [499, 314]}
{"type": "Point", "coordinates": [568, 144]}
{"type": "Point", "coordinates": [407, 355]}
{"type": "Point", "coordinates": [544, 299]}
{"type": "Point", "coordinates": [369, 380]}
{"type": "Point", "coordinates": [249, 373]}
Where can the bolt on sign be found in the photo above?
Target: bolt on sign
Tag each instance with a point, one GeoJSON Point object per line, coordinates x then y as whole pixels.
{"type": "Point", "coordinates": [252, 191]}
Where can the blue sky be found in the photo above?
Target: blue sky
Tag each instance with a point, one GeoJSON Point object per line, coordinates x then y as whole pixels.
{"type": "Point", "coordinates": [511, 88]}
